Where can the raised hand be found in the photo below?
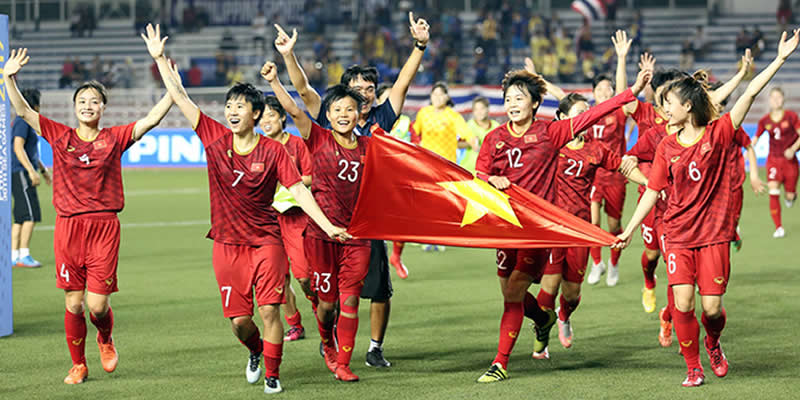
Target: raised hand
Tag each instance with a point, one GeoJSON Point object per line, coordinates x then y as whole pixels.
{"type": "Point", "coordinates": [175, 72]}
{"type": "Point", "coordinates": [642, 80]}
{"type": "Point", "coordinates": [269, 71]}
{"type": "Point", "coordinates": [786, 47]}
{"type": "Point", "coordinates": [747, 60]}
{"type": "Point", "coordinates": [283, 42]}
{"type": "Point", "coordinates": [647, 61]}
{"type": "Point", "coordinates": [419, 29]}
{"type": "Point", "coordinates": [154, 41]}
{"type": "Point", "coordinates": [529, 65]}
{"type": "Point", "coordinates": [16, 60]}
{"type": "Point", "coordinates": [621, 43]}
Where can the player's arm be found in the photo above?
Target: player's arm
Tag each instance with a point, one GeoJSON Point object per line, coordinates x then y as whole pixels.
{"type": "Point", "coordinates": [646, 62]}
{"type": "Point", "coordinates": [755, 181]}
{"type": "Point", "coordinates": [791, 150]}
{"type": "Point", "coordinates": [297, 76]}
{"type": "Point", "coordinates": [303, 196]}
{"type": "Point", "coordinates": [722, 93]}
{"type": "Point", "coordinates": [45, 174]}
{"type": "Point", "coordinates": [303, 123]}
{"type": "Point", "coordinates": [595, 209]}
{"type": "Point", "coordinates": [635, 175]}
{"type": "Point", "coordinates": [464, 132]}
{"type": "Point", "coordinates": [554, 90]}
{"type": "Point", "coordinates": [647, 202]}
{"type": "Point", "coordinates": [16, 60]}
{"type": "Point", "coordinates": [419, 31]}
{"type": "Point", "coordinates": [153, 118]}
{"type": "Point", "coordinates": [19, 150]}
{"type": "Point", "coordinates": [621, 46]}
{"type": "Point", "coordinates": [169, 74]}
{"type": "Point", "coordinates": [785, 48]}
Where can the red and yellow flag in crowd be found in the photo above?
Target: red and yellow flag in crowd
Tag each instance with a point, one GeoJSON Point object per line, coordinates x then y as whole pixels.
{"type": "Point", "coordinates": [413, 195]}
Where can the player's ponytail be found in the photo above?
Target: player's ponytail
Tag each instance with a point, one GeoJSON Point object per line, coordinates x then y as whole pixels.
{"type": "Point", "coordinates": [694, 90]}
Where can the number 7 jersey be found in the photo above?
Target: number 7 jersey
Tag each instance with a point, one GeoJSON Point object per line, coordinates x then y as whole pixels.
{"type": "Point", "coordinates": [241, 187]}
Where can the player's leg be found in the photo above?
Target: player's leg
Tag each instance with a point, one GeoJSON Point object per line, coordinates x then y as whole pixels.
{"type": "Point", "coordinates": [271, 270]}
{"type": "Point", "coordinates": [291, 313]}
{"type": "Point", "coordinates": [550, 282]}
{"type": "Point", "coordinates": [272, 346]}
{"type": "Point", "coordinates": [514, 292]}
{"type": "Point", "coordinates": [614, 195]}
{"type": "Point", "coordinates": [712, 279]}
{"type": "Point", "coordinates": [321, 256]}
{"type": "Point", "coordinates": [15, 232]}
{"type": "Point", "coordinates": [26, 214]}
{"type": "Point", "coordinates": [71, 277]}
{"type": "Point", "coordinates": [790, 175]}
{"type": "Point", "coordinates": [649, 261]}
{"type": "Point", "coordinates": [531, 263]}
{"type": "Point", "coordinates": [682, 266]}
{"type": "Point", "coordinates": [774, 179]}
{"type": "Point", "coordinates": [353, 266]}
{"type": "Point", "coordinates": [574, 269]}
{"type": "Point", "coordinates": [396, 260]}
{"type": "Point", "coordinates": [292, 227]}
{"type": "Point", "coordinates": [378, 289]}
{"type": "Point", "coordinates": [75, 329]}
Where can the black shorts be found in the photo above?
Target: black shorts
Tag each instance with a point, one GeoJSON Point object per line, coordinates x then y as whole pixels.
{"type": "Point", "coordinates": [26, 201]}
{"type": "Point", "coordinates": [378, 283]}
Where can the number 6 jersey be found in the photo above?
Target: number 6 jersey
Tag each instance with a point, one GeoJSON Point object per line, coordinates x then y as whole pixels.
{"type": "Point", "coordinates": [241, 186]}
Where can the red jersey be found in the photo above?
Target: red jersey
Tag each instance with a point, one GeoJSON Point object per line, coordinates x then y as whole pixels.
{"type": "Point", "coordinates": [736, 159]}
{"type": "Point", "coordinates": [241, 187]}
{"type": "Point", "coordinates": [301, 158]}
{"type": "Point", "coordinates": [337, 178]}
{"type": "Point", "coordinates": [87, 176]}
{"type": "Point", "coordinates": [529, 159]}
{"type": "Point", "coordinates": [611, 131]}
{"type": "Point", "coordinates": [782, 133]}
{"type": "Point", "coordinates": [647, 117]}
{"type": "Point", "coordinates": [699, 180]}
{"type": "Point", "coordinates": [577, 167]}
{"type": "Point", "coordinates": [645, 151]}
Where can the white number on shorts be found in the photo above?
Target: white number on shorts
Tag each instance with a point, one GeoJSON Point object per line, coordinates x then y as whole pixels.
{"type": "Point", "coordinates": [671, 264]}
{"type": "Point", "coordinates": [773, 173]}
{"type": "Point", "coordinates": [777, 132]}
{"type": "Point", "coordinates": [501, 259]}
{"type": "Point", "coordinates": [572, 165]}
{"type": "Point", "coordinates": [647, 234]}
{"type": "Point", "coordinates": [513, 157]}
{"type": "Point", "coordinates": [239, 174]}
{"type": "Point", "coordinates": [597, 130]}
{"type": "Point", "coordinates": [326, 282]}
{"type": "Point", "coordinates": [227, 291]}
{"type": "Point", "coordinates": [346, 175]}
{"type": "Point", "coordinates": [694, 173]}
{"type": "Point", "coordinates": [64, 273]}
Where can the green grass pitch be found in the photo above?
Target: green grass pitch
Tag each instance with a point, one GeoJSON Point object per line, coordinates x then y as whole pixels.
{"type": "Point", "coordinates": [175, 344]}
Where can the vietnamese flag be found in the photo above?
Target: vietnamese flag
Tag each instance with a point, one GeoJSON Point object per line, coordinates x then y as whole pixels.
{"type": "Point", "coordinates": [410, 194]}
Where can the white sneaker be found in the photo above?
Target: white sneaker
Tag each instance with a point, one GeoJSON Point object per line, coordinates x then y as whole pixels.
{"type": "Point", "coordinates": [253, 369]}
{"type": "Point", "coordinates": [597, 271]}
{"type": "Point", "coordinates": [788, 203]}
{"type": "Point", "coordinates": [272, 385]}
{"type": "Point", "coordinates": [440, 248]}
{"type": "Point", "coordinates": [613, 275]}
{"type": "Point", "coordinates": [779, 233]}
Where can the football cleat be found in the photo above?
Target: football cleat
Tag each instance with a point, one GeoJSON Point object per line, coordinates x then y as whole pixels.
{"type": "Point", "coordinates": [330, 355]}
{"type": "Point", "coordinates": [375, 359]}
{"type": "Point", "coordinates": [295, 333]}
{"type": "Point", "coordinates": [544, 355]}
{"type": "Point", "coordinates": [272, 385]}
{"type": "Point", "coordinates": [613, 275]}
{"type": "Point", "coordinates": [719, 363]}
{"type": "Point", "coordinates": [344, 374]}
{"type": "Point", "coordinates": [665, 331]}
{"type": "Point", "coordinates": [253, 370]}
{"type": "Point", "coordinates": [779, 233]}
{"type": "Point", "coordinates": [649, 300]}
{"type": "Point", "coordinates": [597, 271]}
{"type": "Point", "coordinates": [77, 374]}
{"type": "Point", "coordinates": [694, 378]}
{"type": "Point", "coordinates": [108, 354]}
{"type": "Point", "coordinates": [788, 203]}
{"type": "Point", "coordinates": [27, 262]}
{"type": "Point", "coordinates": [495, 373]}
{"type": "Point", "coordinates": [565, 333]}
{"type": "Point", "coordinates": [542, 333]}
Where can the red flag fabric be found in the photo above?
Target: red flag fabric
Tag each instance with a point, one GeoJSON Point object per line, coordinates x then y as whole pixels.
{"type": "Point", "coordinates": [411, 194]}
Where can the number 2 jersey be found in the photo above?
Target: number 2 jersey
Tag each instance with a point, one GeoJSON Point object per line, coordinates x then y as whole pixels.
{"type": "Point", "coordinates": [698, 178]}
{"type": "Point", "coordinates": [782, 134]}
{"type": "Point", "coordinates": [241, 187]}
{"type": "Point", "coordinates": [577, 167]}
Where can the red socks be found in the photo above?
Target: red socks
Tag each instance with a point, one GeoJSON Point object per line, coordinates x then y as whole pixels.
{"type": "Point", "coordinates": [714, 327]}
{"type": "Point", "coordinates": [397, 249]}
{"type": "Point", "coordinates": [597, 255]}
{"type": "Point", "coordinates": [775, 209]}
{"type": "Point", "coordinates": [104, 325]}
{"type": "Point", "coordinates": [567, 307]}
{"type": "Point", "coordinates": [75, 329]}
{"type": "Point", "coordinates": [254, 343]}
{"type": "Point", "coordinates": [615, 253]}
{"type": "Point", "coordinates": [325, 332]}
{"type": "Point", "coordinates": [510, 325]}
{"type": "Point", "coordinates": [649, 270]}
{"type": "Point", "coordinates": [546, 300]}
{"type": "Point", "coordinates": [688, 331]}
{"type": "Point", "coordinates": [533, 311]}
{"type": "Point", "coordinates": [670, 304]}
{"type": "Point", "coordinates": [346, 336]}
{"type": "Point", "coordinates": [294, 320]}
{"type": "Point", "coordinates": [272, 358]}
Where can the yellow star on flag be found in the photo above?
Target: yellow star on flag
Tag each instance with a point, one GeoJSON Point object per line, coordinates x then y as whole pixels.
{"type": "Point", "coordinates": [482, 198]}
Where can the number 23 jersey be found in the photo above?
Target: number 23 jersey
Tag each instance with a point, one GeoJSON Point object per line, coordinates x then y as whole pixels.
{"type": "Point", "coordinates": [241, 187]}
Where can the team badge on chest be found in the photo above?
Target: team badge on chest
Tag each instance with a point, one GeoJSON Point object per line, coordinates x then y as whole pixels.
{"type": "Point", "coordinates": [99, 144]}
{"type": "Point", "coordinates": [706, 148]}
{"type": "Point", "coordinates": [257, 167]}
{"type": "Point", "coordinates": [531, 139]}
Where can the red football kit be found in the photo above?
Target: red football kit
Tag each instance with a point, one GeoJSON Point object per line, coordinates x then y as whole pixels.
{"type": "Point", "coordinates": [247, 249]}
{"type": "Point", "coordinates": [294, 221]}
{"type": "Point", "coordinates": [782, 134]}
{"type": "Point", "coordinates": [578, 168]}
{"type": "Point", "coordinates": [697, 221]}
{"type": "Point", "coordinates": [87, 195]}
{"type": "Point", "coordinates": [609, 187]}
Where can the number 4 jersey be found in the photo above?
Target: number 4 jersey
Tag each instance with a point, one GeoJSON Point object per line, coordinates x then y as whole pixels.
{"type": "Point", "coordinates": [241, 186]}
{"type": "Point", "coordinates": [337, 178]}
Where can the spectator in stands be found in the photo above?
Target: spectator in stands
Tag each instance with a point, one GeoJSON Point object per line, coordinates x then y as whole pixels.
{"type": "Point", "coordinates": [506, 25]}
{"type": "Point", "coordinates": [228, 41]}
{"type": "Point", "coordinates": [567, 64]}
{"type": "Point", "coordinates": [758, 44]}
{"type": "Point", "coordinates": [67, 69]}
{"type": "Point", "coordinates": [784, 15]}
{"type": "Point", "coordinates": [487, 30]}
{"type": "Point", "coordinates": [700, 43]}
{"type": "Point", "coordinates": [194, 75]}
{"type": "Point", "coordinates": [96, 70]}
{"type": "Point", "coordinates": [220, 70]}
{"type": "Point", "coordinates": [126, 73]}
{"type": "Point", "coordinates": [743, 41]}
{"type": "Point", "coordinates": [481, 67]}
{"type": "Point", "coordinates": [550, 64]}
{"type": "Point", "coordinates": [583, 41]}
{"type": "Point", "coordinates": [611, 16]}
{"type": "Point", "coordinates": [636, 32]}
{"type": "Point", "coordinates": [518, 31]}
{"type": "Point", "coordinates": [686, 59]}
{"type": "Point", "coordinates": [259, 28]}
{"type": "Point", "coordinates": [75, 28]}
{"type": "Point", "coordinates": [539, 42]}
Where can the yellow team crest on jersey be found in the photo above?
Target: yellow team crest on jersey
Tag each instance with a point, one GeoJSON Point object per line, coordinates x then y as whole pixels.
{"type": "Point", "coordinates": [499, 145]}
{"type": "Point", "coordinates": [70, 149]}
{"type": "Point", "coordinates": [513, 334]}
{"type": "Point", "coordinates": [659, 120]}
{"type": "Point", "coordinates": [675, 159]}
{"type": "Point", "coordinates": [109, 281]}
{"type": "Point", "coordinates": [769, 127]}
{"type": "Point", "coordinates": [719, 280]}
{"type": "Point", "coordinates": [279, 289]}
{"type": "Point", "coordinates": [347, 349]}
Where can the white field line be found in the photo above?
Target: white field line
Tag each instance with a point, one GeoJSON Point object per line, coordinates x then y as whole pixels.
{"type": "Point", "coordinates": [143, 225]}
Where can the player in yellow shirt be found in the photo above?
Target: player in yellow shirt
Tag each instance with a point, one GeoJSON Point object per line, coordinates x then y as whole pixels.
{"type": "Point", "coordinates": [480, 125]}
{"type": "Point", "coordinates": [439, 126]}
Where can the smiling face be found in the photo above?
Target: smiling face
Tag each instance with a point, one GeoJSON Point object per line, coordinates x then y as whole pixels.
{"type": "Point", "coordinates": [775, 100]}
{"type": "Point", "coordinates": [518, 105]}
{"type": "Point", "coordinates": [603, 91]}
{"type": "Point", "coordinates": [343, 115]}
{"type": "Point", "coordinates": [439, 98]}
{"type": "Point", "coordinates": [89, 106]}
{"type": "Point", "coordinates": [239, 114]}
{"type": "Point", "coordinates": [677, 112]}
{"type": "Point", "coordinates": [366, 89]}
{"type": "Point", "coordinates": [272, 122]}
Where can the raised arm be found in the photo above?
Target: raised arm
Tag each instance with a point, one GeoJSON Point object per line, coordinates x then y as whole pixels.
{"type": "Point", "coordinates": [743, 103]}
{"type": "Point", "coordinates": [153, 118]}
{"type": "Point", "coordinates": [270, 73]}
{"type": "Point", "coordinates": [554, 90]}
{"type": "Point", "coordinates": [297, 76]}
{"type": "Point", "coordinates": [722, 93]}
{"type": "Point", "coordinates": [621, 46]}
{"type": "Point", "coordinates": [169, 74]}
{"type": "Point", "coordinates": [16, 60]}
{"type": "Point", "coordinates": [419, 31]}
{"type": "Point", "coordinates": [646, 63]}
